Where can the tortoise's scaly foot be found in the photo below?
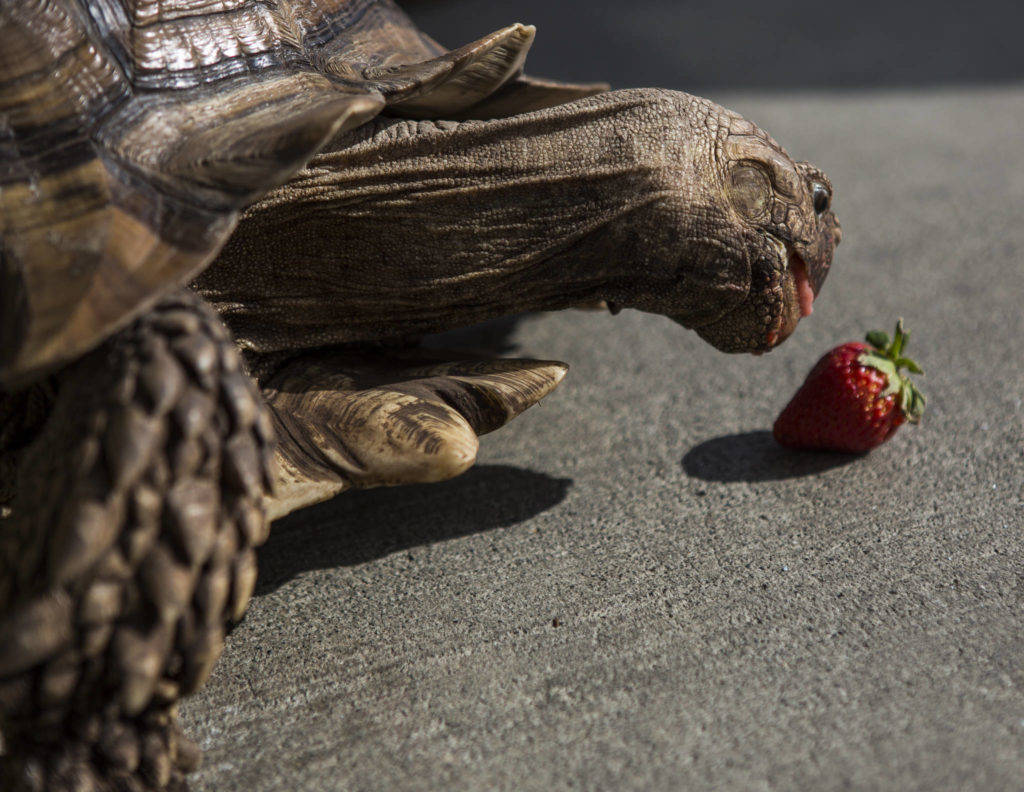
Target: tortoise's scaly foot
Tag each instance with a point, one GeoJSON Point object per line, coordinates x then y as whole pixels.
{"type": "Point", "coordinates": [128, 549]}
{"type": "Point", "coordinates": [107, 755]}
{"type": "Point", "coordinates": [349, 419]}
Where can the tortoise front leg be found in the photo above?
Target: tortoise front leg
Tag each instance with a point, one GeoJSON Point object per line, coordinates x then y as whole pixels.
{"type": "Point", "coordinates": [127, 549]}
{"type": "Point", "coordinates": [350, 418]}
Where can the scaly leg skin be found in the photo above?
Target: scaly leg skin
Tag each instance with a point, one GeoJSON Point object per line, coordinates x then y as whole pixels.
{"type": "Point", "coordinates": [378, 418]}
{"type": "Point", "coordinates": [126, 550]}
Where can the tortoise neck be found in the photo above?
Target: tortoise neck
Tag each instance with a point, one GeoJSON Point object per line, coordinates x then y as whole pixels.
{"type": "Point", "coordinates": [405, 227]}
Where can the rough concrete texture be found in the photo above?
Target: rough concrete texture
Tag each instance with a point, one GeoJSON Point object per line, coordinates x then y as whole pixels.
{"type": "Point", "coordinates": [636, 589]}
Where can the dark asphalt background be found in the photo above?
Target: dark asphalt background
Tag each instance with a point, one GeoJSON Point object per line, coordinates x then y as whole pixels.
{"type": "Point", "coordinates": [635, 589]}
{"type": "Point", "coordinates": [752, 44]}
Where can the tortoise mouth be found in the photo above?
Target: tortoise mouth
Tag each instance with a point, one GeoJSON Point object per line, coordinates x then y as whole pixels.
{"type": "Point", "coordinates": [798, 295]}
{"type": "Point", "coordinates": [804, 291]}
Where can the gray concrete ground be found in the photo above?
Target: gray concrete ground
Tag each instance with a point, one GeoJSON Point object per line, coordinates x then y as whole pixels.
{"type": "Point", "coordinates": [729, 616]}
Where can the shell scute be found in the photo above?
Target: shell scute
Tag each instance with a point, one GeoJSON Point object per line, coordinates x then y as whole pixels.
{"type": "Point", "coordinates": [131, 137]}
{"type": "Point", "coordinates": [132, 133]}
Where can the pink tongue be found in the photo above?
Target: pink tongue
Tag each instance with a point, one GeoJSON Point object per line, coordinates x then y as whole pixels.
{"type": "Point", "coordinates": [804, 292]}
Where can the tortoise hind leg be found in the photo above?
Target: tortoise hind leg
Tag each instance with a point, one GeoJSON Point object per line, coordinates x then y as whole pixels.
{"type": "Point", "coordinates": [127, 550]}
{"type": "Point", "coordinates": [360, 419]}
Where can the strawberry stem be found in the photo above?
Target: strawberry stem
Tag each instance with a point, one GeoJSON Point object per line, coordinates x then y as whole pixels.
{"type": "Point", "coordinates": [887, 357]}
{"type": "Point", "coordinates": [879, 339]}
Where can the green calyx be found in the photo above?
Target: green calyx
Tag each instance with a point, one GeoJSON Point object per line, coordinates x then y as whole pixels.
{"type": "Point", "coordinates": [887, 357]}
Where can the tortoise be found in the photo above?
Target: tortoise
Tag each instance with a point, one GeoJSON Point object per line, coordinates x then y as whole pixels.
{"type": "Point", "coordinates": [228, 221]}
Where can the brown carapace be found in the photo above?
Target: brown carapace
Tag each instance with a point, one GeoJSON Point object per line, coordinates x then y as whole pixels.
{"type": "Point", "coordinates": [223, 228]}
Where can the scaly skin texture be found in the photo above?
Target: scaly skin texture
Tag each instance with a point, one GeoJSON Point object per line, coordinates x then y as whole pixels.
{"type": "Point", "coordinates": [647, 199]}
{"type": "Point", "coordinates": [127, 550]}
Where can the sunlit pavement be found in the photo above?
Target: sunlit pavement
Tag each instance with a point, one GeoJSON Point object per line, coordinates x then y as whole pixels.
{"type": "Point", "coordinates": [729, 616]}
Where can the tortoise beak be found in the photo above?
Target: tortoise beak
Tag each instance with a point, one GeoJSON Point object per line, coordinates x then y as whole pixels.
{"type": "Point", "coordinates": [818, 258]}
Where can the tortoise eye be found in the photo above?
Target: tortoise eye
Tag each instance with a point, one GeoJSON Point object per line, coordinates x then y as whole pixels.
{"type": "Point", "coordinates": [822, 199]}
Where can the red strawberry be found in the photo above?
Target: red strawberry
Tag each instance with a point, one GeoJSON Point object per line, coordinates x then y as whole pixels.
{"type": "Point", "coordinates": [854, 398]}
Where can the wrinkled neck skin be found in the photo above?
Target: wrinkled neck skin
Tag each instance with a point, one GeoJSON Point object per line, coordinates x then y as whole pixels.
{"type": "Point", "coordinates": [410, 227]}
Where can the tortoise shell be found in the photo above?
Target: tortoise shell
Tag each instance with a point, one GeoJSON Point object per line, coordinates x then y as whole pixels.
{"type": "Point", "coordinates": [133, 132]}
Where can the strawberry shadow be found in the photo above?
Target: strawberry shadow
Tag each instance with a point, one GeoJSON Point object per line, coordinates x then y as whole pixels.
{"type": "Point", "coordinates": [755, 456]}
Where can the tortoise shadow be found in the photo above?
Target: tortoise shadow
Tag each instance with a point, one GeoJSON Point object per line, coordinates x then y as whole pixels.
{"type": "Point", "coordinates": [755, 456]}
{"type": "Point", "coordinates": [364, 525]}
{"type": "Point", "coordinates": [495, 336]}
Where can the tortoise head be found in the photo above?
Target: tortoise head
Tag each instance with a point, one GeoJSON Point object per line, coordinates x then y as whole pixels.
{"type": "Point", "coordinates": [783, 211]}
{"type": "Point", "coordinates": [753, 232]}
